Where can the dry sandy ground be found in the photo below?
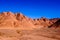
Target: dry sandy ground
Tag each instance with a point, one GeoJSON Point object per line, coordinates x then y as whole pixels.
{"type": "Point", "coordinates": [36, 34]}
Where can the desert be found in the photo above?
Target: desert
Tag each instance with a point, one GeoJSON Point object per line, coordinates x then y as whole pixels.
{"type": "Point", "coordinates": [16, 26]}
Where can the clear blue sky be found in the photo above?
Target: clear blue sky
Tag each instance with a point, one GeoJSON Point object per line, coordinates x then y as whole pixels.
{"type": "Point", "coordinates": [32, 8]}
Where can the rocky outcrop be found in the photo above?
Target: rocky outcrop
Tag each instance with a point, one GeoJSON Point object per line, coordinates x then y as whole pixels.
{"type": "Point", "coordinates": [18, 20]}
{"type": "Point", "coordinates": [56, 24]}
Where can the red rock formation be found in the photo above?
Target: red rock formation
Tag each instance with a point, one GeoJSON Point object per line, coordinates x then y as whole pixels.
{"type": "Point", "coordinates": [42, 22]}
{"type": "Point", "coordinates": [56, 24]}
{"type": "Point", "coordinates": [8, 19]}
{"type": "Point", "coordinates": [18, 20]}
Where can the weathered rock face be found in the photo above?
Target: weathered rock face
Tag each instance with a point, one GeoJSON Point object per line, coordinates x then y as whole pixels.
{"type": "Point", "coordinates": [18, 20]}
{"type": "Point", "coordinates": [47, 22]}
{"type": "Point", "coordinates": [7, 19]}
{"type": "Point", "coordinates": [56, 24]}
{"type": "Point", "coordinates": [42, 22]}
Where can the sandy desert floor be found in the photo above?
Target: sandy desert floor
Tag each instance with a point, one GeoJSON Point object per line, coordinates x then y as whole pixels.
{"type": "Point", "coordinates": [36, 34]}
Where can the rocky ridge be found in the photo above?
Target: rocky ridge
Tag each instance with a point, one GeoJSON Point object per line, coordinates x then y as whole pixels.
{"type": "Point", "coordinates": [18, 20]}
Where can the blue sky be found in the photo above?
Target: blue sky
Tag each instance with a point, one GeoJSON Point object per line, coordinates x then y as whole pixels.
{"type": "Point", "coordinates": [32, 8]}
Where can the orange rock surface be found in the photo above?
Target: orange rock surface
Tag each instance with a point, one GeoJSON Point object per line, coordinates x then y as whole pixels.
{"type": "Point", "coordinates": [16, 26]}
